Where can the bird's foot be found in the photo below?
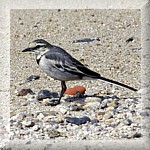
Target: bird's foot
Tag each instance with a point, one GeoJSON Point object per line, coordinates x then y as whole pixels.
{"type": "Point", "coordinates": [79, 94]}
{"type": "Point", "coordinates": [52, 103]}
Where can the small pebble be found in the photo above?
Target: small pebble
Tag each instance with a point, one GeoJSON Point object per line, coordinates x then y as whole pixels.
{"type": "Point", "coordinates": [28, 123]}
{"type": "Point", "coordinates": [86, 40]}
{"type": "Point", "coordinates": [137, 135]}
{"type": "Point", "coordinates": [101, 112]}
{"type": "Point", "coordinates": [148, 108]}
{"type": "Point", "coordinates": [36, 25]}
{"type": "Point", "coordinates": [48, 113]}
{"type": "Point", "coordinates": [40, 116]}
{"type": "Point", "coordinates": [63, 110]}
{"type": "Point", "coordinates": [78, 121]}
{"type": "Point", "coordinates": [107, 115]}
{"type": "Point", "coordinates": [129, 39]}
{"type": "Point", "coordinates": [21, 116]}
{"type": "Point", "coordinates": [144, 114]}
{"type": "Point", "coordinates": [92, 104]}
{"type": "Point", "coordinates": [1, 117]}
{"type": "Point", "coordinates": [79, 94]}
{"type": "Point", "coordinates": [76, 107]}
{"type": "Point", "coordinates": [25, 103]}
{"type": "Point", "coordinates": [43, 94]}
{"type": "Point", "coordinates": [136, 49]}
{"type": "Point", "coordinates": [93, 121]}
{"type": "Point", "coordinates": [92, 99]}
{"type": "Point", "coordinates": [75, 90]}
{"type": "Point", "coordinates": [127, 122]}
{"type": "Point", "coordinates": [53, 133]}
{"type": "Point", "coordinates": [32, 78]}
{"type": "Point", "coordinates": [24, 92]}
{"type": "Point", "coordinates": [28, 142]}
{"type": "Point", "coordinates": [110, 108]}
{"type": "Point", "coordinates": [113, 104]}
{"type": "Point", "coordinates": [103, 105]}
{"type": "Point", "coordinates": [36, 127]}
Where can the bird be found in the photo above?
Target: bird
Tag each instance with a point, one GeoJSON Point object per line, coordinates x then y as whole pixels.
{"type": "Point", "coordinates": [60, 65]}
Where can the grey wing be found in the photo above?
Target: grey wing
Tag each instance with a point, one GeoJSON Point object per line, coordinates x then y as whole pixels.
{"type": "Point", "coordinates": [63, 61]}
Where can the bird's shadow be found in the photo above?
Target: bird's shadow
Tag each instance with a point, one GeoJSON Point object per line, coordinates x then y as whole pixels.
{"type": "Point", "coordinates": [83, 98]}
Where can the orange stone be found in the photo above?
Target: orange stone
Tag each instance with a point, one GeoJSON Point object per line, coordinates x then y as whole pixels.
{"type": "Point", "coordinates": [73, 91]}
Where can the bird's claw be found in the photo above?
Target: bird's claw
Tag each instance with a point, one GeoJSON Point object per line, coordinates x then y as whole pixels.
{"type": "Point", "coordinates": [52, 103]}
{"type": "Point", "coordinates": [79, 95]}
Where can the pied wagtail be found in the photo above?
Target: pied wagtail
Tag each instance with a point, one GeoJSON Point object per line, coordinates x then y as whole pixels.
{"type": "Point", "coordinates": [60, 65]}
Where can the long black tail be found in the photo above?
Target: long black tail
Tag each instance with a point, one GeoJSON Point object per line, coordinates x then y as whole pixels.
{"type": "Point", "coordinates": [118, 83]}
{"type": "Point", "coordinates": [89, 74]}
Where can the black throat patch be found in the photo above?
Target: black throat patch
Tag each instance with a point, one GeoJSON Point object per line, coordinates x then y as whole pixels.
{"type": "Point", "coordinates": [38, 60]}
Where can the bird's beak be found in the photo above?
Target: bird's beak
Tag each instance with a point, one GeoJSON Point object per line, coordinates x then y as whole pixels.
{"type": "Point", "coordinates": [28, 50]}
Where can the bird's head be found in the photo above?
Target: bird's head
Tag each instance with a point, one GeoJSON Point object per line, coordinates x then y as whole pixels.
{"type": "Point", "coordinates": [37, 46]}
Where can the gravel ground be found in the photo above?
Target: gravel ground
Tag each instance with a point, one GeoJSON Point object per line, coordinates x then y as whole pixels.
{"type": "Point", "coordinates": [111, 112]}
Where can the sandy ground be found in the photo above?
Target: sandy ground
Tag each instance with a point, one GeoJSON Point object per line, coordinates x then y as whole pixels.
{"type": "Point", "coordinates": [112, 56]}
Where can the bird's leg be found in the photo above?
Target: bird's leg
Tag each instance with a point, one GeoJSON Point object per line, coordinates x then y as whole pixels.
{"type": "Point", "coordinates": [63, 89]}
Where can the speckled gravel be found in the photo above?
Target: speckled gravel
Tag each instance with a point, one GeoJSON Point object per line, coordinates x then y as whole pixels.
{"type": "Point", "coordinates": [80, 119]}
{"type": "Point", "coordinates": [113, 50]}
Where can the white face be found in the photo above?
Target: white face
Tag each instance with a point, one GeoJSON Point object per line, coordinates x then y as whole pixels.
{"type": "Point", "coordinates": [40, 52]}
{"type": "Point", "coordinates": [35, 44]}
{"type": "Point", "coordinates": [37, 47]}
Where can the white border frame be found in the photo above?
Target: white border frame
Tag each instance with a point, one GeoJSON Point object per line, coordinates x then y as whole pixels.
{"type": "Point", "coordinates": [7, 5]}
